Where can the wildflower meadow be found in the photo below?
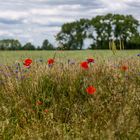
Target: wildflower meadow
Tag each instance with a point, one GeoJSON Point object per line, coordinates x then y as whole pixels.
{"type": "Point", "coordinates": [70, 95]}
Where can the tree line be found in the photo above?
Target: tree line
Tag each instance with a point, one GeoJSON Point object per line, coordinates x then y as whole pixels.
{"type": "Point", "coordinates": [100, 30]}
{"type": "Point", "coordinates": [12, 44]}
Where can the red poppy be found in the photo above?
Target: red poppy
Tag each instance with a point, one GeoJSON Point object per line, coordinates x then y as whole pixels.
{"type": "Point", "coordinates": [27, 62]}
{"type": "Point", "coordinates": [84, 65]}
{"type": "Point", "coordinates": [90, 60]}
{"type": "Point", "coordinates": [90, 90]}
{"type": "Point", "coordinates": [124, 68]}
{"type": "Point", "coordinates": [39, 103]}
{"type": "Point", "coordinates": [46, 110]}
{"type": "Point", "coordinates": [50, 61]}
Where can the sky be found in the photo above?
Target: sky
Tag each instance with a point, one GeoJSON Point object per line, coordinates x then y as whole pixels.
{"type": "Point", "coordinates": [36, 20]}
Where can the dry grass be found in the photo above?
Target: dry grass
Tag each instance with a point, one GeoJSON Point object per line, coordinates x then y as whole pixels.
{"type": "Point", "coordinates": [112, 113]}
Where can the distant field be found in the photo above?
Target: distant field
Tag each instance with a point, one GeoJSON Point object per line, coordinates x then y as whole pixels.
{"type": "Point", "coordinates": [12, 56]}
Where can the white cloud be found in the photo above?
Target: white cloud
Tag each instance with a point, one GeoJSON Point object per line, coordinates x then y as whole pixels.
{"type": "Point", "coordinates": [14, 15]}
{"type": "Point", "coordinates": [114, 5]}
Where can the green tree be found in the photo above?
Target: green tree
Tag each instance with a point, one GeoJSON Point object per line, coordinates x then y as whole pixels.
{"type": "Point", "coordinates": [38, 48]}
{"type": "Point", "coordinates": [47, 46]}
{"type": "Point", "coordinates": [28, 46]}
{"type": "Point", "coordinates": [115, 27]}
{"type": "Point", "coordinates": [72, 35]}
{"type": "Point", "coordinates": [126, 28]}
{"type": "Point", "coordinates": [10, 44]}
{"type": "Point", "coordinates": [134, 43]}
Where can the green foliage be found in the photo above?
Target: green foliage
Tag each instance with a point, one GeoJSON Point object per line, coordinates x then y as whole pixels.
{"type": "Point", "coordinates": [134, 42]}
{"type": "Point", "coordinates": [47, 46]}
{"type": "Point", "coordinates": [72, 35]}
{"type": "Point", "coordinates": [28, 46]}
{"type": "Point", "coordinates": [10, 44]}
{"type": "Point", "coordinates": [101, 29]}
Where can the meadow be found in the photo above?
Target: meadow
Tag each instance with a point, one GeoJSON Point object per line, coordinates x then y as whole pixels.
{"type": "Point", "coordinates": [70, 98]}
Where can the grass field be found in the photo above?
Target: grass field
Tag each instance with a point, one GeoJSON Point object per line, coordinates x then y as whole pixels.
{"type": "Point", "coordinates": [12, 56]}
{"type": "Point", "coordinates": [51, 102]}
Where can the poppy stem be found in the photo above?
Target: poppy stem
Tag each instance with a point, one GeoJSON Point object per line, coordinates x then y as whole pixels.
{"type": "Point", "coordinates": [54, 55]}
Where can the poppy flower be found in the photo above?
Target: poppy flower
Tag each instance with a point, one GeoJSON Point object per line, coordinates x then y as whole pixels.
{"type": "Point", "coordinates": [90, 60]}
{"type": "Point", "coordinates": [90, 90]}
{"type": "Point", "coordinates": [84, 65]}
{"type": "Point", "coordinates": [27, 62]}
{"type": "Point", "coordinates": [124, 68]}
{"type": "Point", "coordinates": [39, 103]}
{"type": "Point", "coordinates": [46, 110]}
{"type": "Point", "coordinates": [50, 61]}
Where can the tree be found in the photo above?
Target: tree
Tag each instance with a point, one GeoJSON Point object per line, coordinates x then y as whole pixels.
{"type": "Point", "coordinates": [126, 28]}
{"type": "Point", "coordinates": [115, 27]}
{"type": "Point", "coordinates": [1, 46]}
{"type": "Point", "coordinates": [72, 35]}
{"type": "Point", "coordinates": [47, 46]}
{"type": "Point", "coordinates": [38, 48]}
{"type": "Point", "coordinates": [10, 44]}
{"type": "Point", "coordinates": [28, 46]}
{"type": "Point", "coordinates": [65, 37]}
{"type": "Point", "coordinates": [134, 43]}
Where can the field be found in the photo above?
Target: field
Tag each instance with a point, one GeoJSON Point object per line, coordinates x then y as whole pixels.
{"type": "Point", "coordinates": [52, 102]}
{"type": "Point", "coordinates": [12, 56]}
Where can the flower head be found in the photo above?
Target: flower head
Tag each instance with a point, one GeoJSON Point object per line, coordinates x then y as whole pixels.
{"type": "Point", "coordinates": [124, 68]}
{"type": "Point", "coordinates": [91, 90]}
{"type": "Point", "coordinates": [27, 62]}
{"type": "Point", "coordinates": [46, 110]}
{"type": "Point", "coordinates": [138, 54]}
{"type": "Point", "coordinates": [84, 65]}
{"type": "Point", "coordinates": [50, 61]}
{"type": "Point", "coordinates": [90, 60]}
{"type": "Point", "coordinates": [39, 103]}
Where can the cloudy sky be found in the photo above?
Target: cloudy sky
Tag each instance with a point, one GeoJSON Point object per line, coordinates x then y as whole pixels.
{"type": "Point", "coordinates": [36, 20]}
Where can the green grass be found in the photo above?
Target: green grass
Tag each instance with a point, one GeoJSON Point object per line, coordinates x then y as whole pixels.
{"type": "Point", "coordinates": [112, 112]}
{"type": "Point", "coordinates": [12, 56]}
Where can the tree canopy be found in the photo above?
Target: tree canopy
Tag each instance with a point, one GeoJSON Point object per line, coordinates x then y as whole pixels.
{"type": "Point", "coordinates": [47, 45]}
{"type": "Point", "coordinates": [10, 44]}
{"type": "Point", "coordinates": [102, 30]}
{"type": "Point", "coordinates": [28, 46]}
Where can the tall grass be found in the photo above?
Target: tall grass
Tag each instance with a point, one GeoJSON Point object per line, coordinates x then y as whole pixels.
{"type": "Point", "coordinates": [52, 103]}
